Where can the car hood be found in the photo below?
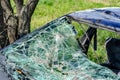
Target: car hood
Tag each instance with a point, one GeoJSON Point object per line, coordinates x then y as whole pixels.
{"type": "Point", "coordinates": [105, 18]}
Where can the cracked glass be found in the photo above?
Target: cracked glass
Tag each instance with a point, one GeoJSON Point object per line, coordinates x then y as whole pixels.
{"type": "Point", "coordinates": [52, 53]}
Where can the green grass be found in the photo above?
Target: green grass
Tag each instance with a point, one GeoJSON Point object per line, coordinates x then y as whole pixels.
{"type": "Point", "coordinates": [48, 10]}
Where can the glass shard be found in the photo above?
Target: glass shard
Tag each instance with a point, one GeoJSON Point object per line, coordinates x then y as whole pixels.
{"type": "Point", "coordinates": [52, 53]}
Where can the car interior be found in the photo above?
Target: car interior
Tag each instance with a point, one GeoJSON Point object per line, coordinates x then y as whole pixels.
{"type": "Point", "coordinates": [112, 47]}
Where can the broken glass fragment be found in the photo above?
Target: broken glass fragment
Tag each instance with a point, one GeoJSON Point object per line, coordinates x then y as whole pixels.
{"type": "Point", "coordinates": [52, 53]}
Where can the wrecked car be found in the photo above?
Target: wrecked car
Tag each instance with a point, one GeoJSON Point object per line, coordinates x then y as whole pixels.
{"type": "Point", "coordinates": [53, 52]}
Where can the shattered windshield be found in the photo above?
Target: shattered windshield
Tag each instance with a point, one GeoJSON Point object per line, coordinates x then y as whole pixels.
{"type": "Point", "coordinates": [52, 53]}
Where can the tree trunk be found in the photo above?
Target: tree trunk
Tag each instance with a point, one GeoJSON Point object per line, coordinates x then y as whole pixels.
{"type": "Point", "coordinates": [15, 25]}
{"type": "Point", "coordinates": [3, 37]}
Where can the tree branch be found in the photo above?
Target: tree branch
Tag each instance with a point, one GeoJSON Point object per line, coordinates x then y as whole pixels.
{"type": "Point", "coordinates": [19, 5]}
{"type": "Point", "coordinates": [25, 17]}
{"type": "Point", "coordinates": [31, 5]}
{"type": "Point", "coordinates": [6, 5]}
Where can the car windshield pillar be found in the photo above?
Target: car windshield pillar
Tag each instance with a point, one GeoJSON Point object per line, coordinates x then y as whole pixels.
{"type": "Point", "coordinates": [86, 39]}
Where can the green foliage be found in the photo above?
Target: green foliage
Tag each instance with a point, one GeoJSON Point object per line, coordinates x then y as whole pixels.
{"type": "Point", "coordinates": [48, 10]}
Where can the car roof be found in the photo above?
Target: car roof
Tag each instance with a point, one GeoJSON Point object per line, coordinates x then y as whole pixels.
{"type": "Point", "coordinates": [105, 18]}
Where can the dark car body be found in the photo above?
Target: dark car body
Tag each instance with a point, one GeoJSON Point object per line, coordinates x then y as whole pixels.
{"type": "Point", "coordinates": [53, 52]}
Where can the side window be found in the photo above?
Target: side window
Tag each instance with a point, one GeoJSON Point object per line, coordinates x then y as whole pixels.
{"type": "Point", "coordinates": [99, 55]}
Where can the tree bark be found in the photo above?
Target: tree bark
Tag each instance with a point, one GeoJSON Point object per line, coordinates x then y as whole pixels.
{"type": "Point", "coordinates": [3, 33]}
{"type": "Point", "coordinates": [9, 20]}
{"type": "Point", "coordinates": [17, 24]}
{"type": "Point", "coordinates": [25, 17]}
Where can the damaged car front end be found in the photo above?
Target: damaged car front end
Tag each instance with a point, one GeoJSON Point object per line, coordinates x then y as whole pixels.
{"type": "Point", "coordinates": [53, 52]}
